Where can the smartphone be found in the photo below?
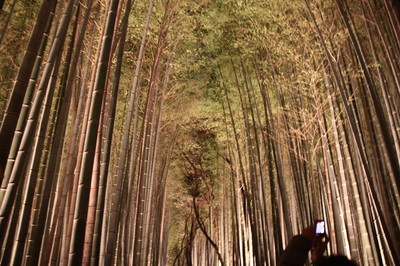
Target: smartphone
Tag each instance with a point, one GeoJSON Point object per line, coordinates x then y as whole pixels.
{"type": "Point", "coordinates": [320, 228]}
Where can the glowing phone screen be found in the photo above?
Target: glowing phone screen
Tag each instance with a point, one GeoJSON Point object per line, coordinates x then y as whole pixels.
{"type": "Point", "coordinates": [320, 228]}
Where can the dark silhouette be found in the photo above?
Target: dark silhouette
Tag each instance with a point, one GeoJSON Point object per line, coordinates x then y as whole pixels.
{"type": "Point", "coordinates": [335, 260]}
{"type": "Point", "coordinates": [296, 252]}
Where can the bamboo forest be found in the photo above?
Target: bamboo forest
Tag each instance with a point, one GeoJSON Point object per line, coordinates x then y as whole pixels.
{"type": "Point", "coordinates": [198, 132]}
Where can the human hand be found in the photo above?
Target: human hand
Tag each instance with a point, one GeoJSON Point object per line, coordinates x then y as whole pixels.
{"type": "Point", "coordinates": [319, 247]}
{"type": "Point", "coordinates": [319, 242]}
{"type": "Point", "coordinates": [309, 232]}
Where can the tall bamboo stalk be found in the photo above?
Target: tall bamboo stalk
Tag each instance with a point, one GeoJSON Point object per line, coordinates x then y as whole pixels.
{"type": "Point", "coordinates": [26, 144]}
{"type": "Point", "coordinates": [21, 82]}
{"type": "Point", "coordinates": [77, 240]}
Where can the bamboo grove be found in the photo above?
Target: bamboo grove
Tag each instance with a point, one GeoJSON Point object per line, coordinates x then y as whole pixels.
{"type": "Point", "coordinates": [178, 132]}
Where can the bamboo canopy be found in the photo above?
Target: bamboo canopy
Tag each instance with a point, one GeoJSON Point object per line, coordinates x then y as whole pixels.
{"type": "Point", "coordinates": [208, 132]}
